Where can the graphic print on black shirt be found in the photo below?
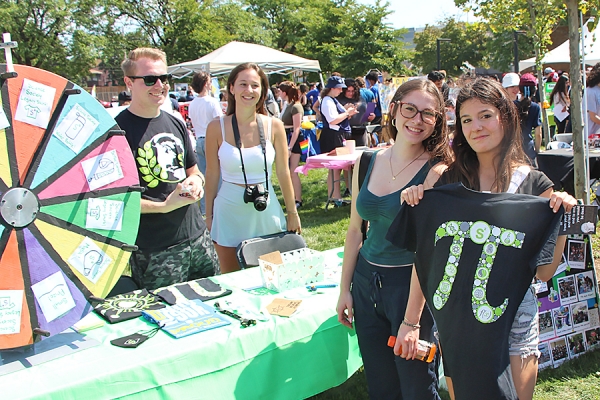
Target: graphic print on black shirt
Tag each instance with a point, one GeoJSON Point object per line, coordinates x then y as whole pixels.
{"type": "Point", "coordinates": [163, 152]}
{"type": "Point", "coordinates": [490, 237]}
{"type": "Point", "coordinates": [475, 256]}
{"type": "Point", "coordinates": [160, 159]}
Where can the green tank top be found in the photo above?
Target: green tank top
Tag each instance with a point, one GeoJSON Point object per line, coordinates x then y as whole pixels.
{"type": "Point", "coordinates": [380, 211]}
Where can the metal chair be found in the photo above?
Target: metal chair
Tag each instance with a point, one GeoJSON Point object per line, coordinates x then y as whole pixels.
{"type": "Point", "coordinates": [249, 250]}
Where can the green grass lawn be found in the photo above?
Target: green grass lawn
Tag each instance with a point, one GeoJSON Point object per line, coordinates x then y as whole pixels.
{"type": "Point", "coordinates": [577, 379]}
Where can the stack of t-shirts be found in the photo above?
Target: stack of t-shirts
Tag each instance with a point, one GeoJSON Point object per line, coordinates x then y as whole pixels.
{"type": "Point", "coordinates": [201, 289]}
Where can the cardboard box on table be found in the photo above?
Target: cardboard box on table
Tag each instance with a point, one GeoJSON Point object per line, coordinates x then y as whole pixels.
{"type": "Point", "coordinates": [291, 269]}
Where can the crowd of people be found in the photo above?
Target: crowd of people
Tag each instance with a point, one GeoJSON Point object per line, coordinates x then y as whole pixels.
{"type": "Point", "coordinates": [389, 283]}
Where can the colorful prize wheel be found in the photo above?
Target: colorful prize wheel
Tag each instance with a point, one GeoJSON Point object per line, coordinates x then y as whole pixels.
{"type": "Point", "coordinates": [69, 204]}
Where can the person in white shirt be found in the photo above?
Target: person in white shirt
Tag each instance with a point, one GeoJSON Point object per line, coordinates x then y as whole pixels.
{"type": "Point", "coordinates": [203, 109]}
{"type": "Point", "coordinates": [593, 99]}
{"type": "Point", "coordinates": [559, 99]}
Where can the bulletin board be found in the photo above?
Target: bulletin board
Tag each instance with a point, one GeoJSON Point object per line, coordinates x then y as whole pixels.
{"type": "Point", "coordinates": [568, 306]}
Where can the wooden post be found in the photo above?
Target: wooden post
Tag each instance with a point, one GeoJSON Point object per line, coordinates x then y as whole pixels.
{"type": "Point", "coordinates": [7, 45]}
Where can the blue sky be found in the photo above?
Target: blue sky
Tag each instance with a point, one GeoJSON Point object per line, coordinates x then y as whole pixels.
{"type": "Point", "coordinates": [418, 13]}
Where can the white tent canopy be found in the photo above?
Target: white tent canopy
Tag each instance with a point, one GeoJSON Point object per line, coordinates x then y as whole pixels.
{"type": "Point", "coordinates": [560, 56]}
{"type": "Point", "coordinates": [225, 58]}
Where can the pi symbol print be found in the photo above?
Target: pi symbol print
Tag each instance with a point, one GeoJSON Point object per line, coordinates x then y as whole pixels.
{"type": "Point", "coordinates": [490, 237]}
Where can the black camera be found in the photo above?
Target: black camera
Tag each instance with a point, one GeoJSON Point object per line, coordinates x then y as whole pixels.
{"type": "Point", "coordinates": [258, 195]}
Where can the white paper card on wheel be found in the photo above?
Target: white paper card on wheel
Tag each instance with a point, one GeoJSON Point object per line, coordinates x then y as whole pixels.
{"type": "Point", "coordinates": [102, 170]}
{"type": "Point", "coordinates": [11, 303]}
{"type": "Point", "coordinates": [76, 128]}
{"type": "Point", "coordinates": [104, 214]}
{"type": "Point", "coordinates": [35, 103]}
{"type": "Point", "coordinates": [53, 296]}
{"type": "Point", "coordinates": [90, 260]}
{"type": "Point", "coordinates": [3, 120]}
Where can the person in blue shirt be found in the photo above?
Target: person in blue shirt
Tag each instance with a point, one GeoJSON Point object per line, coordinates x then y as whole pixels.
{"type": "Point", "coordinates": [373, 78]}
{"type": "Point", "coordinates": [368, 97]}
{"type": "Point", "coordinates": [313, 94]}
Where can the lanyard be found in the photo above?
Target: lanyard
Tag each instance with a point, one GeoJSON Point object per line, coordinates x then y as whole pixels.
{"type": "Point", "coordinates": [263, 144]}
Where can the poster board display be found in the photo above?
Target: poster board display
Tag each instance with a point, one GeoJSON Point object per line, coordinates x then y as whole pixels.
{"type": "Point", "coordinates": [568, 306]}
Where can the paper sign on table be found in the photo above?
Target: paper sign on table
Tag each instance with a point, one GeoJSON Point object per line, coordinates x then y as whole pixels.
{"type": "Point", "coordinates": [283, 307]}
{"type": "Point", "coordinates": [90, 260]}
{"type": "Point", "coordinates": [11, 302]}
{"type": "Point", "coordinates": [89, 322]}
{"type": "Point", "coordinates": [104, 214]}
{"type": "Point", "coordinates": [35, 103]}
{"type": "Point", "coordinates": [3, 120]}
{"type": "Point", "coordinates": [53, 296]}
{"type": "Point", "coordinates": [102, 170]}
{"type": "Point", "coordinates": [76, 128]}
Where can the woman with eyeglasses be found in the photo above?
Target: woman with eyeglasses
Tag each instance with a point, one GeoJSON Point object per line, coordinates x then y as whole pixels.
{"type": "Point", "coordinates": [489, 158]}
{"type": "Point", "coordinates": [241, 148]}
{"type": "Point", "coordinates": [376, 274]}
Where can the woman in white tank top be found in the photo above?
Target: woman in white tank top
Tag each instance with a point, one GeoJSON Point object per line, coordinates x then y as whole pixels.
{"type": "Point", "coordinates": [228, 216]}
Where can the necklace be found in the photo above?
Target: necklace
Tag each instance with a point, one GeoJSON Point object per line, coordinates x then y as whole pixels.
{"type": "Point", "coordinates": [406, 166]}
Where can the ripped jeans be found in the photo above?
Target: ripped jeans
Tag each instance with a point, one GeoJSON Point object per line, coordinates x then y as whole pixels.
{"type": "Point", "coordinates": [524, 338]}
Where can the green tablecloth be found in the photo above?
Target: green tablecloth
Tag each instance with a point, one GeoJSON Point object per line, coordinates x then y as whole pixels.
{"type": "Point", "coordinates": [283, 358]}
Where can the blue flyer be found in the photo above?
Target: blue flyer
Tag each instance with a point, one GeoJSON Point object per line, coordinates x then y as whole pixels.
{"type": "Point", "coordinates": [186, 318]}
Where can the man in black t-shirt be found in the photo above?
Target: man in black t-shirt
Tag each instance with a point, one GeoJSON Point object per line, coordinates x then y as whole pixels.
{"type": "Point", "coordinates": [475, 257]}
{"type": "Point", "coordinates": [174, 244]}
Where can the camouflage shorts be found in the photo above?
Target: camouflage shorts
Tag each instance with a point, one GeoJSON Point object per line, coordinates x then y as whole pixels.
{"type": "Point", "coordinates": [192, 259]}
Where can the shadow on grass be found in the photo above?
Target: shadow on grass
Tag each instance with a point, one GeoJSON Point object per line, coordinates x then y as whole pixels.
{"type": "Point", "coordinates": [584, 365]}
{"type": "Point", "coordinates": [322, 229]}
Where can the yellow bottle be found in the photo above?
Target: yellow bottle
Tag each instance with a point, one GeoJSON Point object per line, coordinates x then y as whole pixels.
{"type": "Point", "coordinates": [425, 350]}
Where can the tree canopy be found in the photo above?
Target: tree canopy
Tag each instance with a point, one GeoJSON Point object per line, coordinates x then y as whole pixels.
{"type": "Point", "coordinates": [69, 37]}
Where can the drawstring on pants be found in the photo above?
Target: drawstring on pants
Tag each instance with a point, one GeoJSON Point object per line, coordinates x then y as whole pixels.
{"type": "Point", "coordinates": [375, 286]}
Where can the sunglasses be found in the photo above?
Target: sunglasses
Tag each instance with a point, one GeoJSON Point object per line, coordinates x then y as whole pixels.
{"type": "Point", "coordinates": [150, 80]}
{"type": "Point", "coordinates": [409, 110]}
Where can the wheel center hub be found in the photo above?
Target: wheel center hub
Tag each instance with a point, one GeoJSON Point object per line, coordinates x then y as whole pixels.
{"type": "Point", "coordinates": [19, 207]}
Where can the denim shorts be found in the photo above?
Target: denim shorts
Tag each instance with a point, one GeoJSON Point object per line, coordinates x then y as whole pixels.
{"type": "Point", "coordinates": [524, 337]}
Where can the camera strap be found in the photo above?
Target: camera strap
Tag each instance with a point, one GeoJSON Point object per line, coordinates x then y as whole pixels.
{"type": "Point", "coordinates": [263, 144]}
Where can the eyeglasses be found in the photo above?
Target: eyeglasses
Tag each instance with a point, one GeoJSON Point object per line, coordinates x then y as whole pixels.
{"type": "Point", "coordinates": [150, 80]}
{"type": "Point", "coordinates": [409, 110]}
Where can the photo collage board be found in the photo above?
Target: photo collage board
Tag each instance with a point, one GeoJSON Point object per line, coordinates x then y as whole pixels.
{"type": "Point", "coordinates": [568, 306]}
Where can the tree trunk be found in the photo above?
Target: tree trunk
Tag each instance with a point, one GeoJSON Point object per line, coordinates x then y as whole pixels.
{"type": "Point", "coordinates": [581, 188]}
{"type": "Point", "coordinates": [542, 95]}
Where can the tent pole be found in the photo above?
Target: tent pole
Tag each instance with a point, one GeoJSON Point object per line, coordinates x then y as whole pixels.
{"type": "Point", "coordinates": [585, 140]}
